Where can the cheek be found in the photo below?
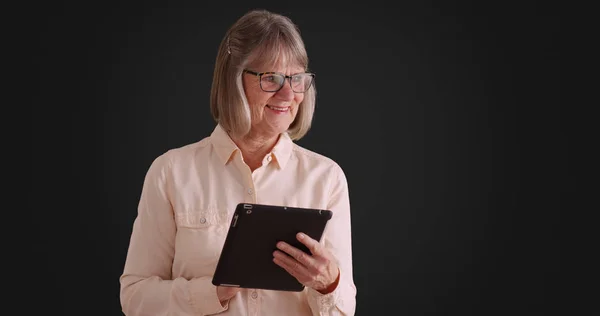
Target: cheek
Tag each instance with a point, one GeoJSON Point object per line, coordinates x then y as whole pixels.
{"type": "Point", "coordinates": [253, 98]}
{"type": "Point", "coordinates": [298, 99]}
{"type": "Point", "coordinates": [257, 102]}
{"type": "Point", "coordinates": [256, 110]}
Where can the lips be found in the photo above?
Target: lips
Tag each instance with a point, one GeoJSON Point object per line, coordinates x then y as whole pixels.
{"type": "Point", "coordinates": [278, 108]}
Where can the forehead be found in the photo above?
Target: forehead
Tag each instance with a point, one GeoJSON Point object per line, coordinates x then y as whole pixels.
{"type": "Point", "coordinates": [278, 60]}
{"type": "Point", "coordinates": [281, 68]}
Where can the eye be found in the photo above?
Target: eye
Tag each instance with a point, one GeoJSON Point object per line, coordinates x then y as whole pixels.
{"type": "Point", "coordinates": [269, 78]}
{"type": "Point", "coordinates": [273, 78]}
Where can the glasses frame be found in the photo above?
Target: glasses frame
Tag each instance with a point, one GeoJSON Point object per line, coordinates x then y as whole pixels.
{"type": "Point", "coordinates": [260, 74]}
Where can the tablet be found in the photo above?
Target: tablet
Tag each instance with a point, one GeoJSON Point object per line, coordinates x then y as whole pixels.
{"type": "Point", "coordinates": [246, 259]}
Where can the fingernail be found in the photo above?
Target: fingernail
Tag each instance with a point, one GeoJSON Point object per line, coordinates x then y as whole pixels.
{"type": "Point", "coordinates": [300, 235]}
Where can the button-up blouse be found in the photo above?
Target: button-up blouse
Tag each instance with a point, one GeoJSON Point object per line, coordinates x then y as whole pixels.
{"type": "Point", "coordinates": [185, 208]}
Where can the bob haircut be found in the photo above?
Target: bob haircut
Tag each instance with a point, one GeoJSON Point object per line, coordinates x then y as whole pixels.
{"type": "Point", "coordinates": [260, 38]}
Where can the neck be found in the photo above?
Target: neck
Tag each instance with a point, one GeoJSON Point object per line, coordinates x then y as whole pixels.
{"type": "Point", "coordinates": [254, 147]}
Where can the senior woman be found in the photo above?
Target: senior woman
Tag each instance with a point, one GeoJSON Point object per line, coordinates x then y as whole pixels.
{"type": "Point", "coordinates": [262, 99]}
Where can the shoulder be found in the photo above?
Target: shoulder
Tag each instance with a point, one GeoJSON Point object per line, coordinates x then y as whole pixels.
{"type": "Point", "coordinates": [182, 154]}
{"type": "Point", "coordinates": [318, 160]}
{"type": "Point", "coordinates": [187, 151]}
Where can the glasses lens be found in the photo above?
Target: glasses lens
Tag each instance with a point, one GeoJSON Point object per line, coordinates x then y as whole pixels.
{"type": "Point", "coordinates": [271, 82]}
{"type": "Point", "coordinates": [301, 82]}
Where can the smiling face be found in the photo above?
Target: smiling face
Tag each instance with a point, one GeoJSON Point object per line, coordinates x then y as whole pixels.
{"type": "Point", "coordinates": [259, 42]}
{"type": "Point", "coordinates": [271, 113]}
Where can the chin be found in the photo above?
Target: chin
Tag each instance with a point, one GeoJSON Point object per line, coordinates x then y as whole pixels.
{"type": "Point", "coordinates": [280, 126]}
{"type": "Point", "coordinates": [279, 130]}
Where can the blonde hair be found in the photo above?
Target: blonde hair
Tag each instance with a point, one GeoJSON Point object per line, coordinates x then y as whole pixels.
{"type": "Point", "coordinates": [262, 37]}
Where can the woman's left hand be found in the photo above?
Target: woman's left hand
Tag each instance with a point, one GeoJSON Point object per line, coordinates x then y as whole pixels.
{"type": "Point", "coordinates": [318, 271]}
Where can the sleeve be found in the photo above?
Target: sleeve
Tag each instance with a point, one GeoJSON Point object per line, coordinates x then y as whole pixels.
{"type": "Point", "coordinates": [147, 287]}
{"type": "Point", "coordinates": [338, 239]}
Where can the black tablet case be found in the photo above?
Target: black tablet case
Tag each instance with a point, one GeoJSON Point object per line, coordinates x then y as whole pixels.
{"type": "Point", "coordinates": [246, 259]}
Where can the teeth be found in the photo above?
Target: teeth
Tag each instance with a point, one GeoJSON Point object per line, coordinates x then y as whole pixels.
{"type": "Point", "coordinates": [278, 108]}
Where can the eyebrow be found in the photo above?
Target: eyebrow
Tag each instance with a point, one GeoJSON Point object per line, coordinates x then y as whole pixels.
{"type": "Point", "coordinates": [278, 72]}
{"type": "Point", "coordinates": [267, 66]}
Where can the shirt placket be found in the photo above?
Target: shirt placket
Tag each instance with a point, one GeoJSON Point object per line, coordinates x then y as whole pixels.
{"type": "Point", "coordinates": [253, 180]}
{"type": "Point", "coordinates": [246, 181]}
{"type": "Point", "coordinates": [253, 303]}
{"type": "Point", "coordinates": [250, 183]}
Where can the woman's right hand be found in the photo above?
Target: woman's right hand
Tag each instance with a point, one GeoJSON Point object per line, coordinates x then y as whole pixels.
{"type": "Point", "coordinates": [224, 293]}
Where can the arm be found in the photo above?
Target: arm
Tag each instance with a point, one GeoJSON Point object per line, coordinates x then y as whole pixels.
{"type": "Point", "coordinates": [147, 287]}
{"type": "Point", "coordinates": [337, 239]}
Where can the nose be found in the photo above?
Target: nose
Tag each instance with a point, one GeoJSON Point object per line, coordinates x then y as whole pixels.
{"type": "Point", "coordinates": [286, 92]}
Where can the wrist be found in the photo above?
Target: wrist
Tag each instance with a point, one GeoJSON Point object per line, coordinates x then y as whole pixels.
{"type": "Point", "coordinates": [331, 287]}
{"type": "Point", "coordinates": [225, 294]}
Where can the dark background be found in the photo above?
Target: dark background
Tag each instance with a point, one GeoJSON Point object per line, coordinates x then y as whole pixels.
{"type": "Point", "coordinates": [446, 119]}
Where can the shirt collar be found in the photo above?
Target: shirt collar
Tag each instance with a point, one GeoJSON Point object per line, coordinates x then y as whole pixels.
{"type": "Point", "coordinates": [225, 147]}
{"type": "Point", "coordinates": [283, 149]}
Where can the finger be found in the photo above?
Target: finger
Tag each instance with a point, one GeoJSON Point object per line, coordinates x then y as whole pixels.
{"type": "Point", "coordinates": [290, 262]}
{"type": "Point", "coordinates": [312, 245]}
{"type": "Point", "coordinates": [289, 270]}
{"type": "Point", "coordinates": [292, 266]}
{"type": "Point", "coordinates": [297, 254]}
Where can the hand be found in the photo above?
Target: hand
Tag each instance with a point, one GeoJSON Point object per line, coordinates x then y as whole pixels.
{"type": "Point", "coordinates": [224, 293]}
{"type": "Point", "coordinates": [318, 271]}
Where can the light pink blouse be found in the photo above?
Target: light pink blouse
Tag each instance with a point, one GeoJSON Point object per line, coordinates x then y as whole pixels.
{"type": "Point", "coordinates": [188, 198]}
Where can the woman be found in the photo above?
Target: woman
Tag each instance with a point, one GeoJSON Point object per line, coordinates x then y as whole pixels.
{"type": "Point", "coordinates": [262, 99]}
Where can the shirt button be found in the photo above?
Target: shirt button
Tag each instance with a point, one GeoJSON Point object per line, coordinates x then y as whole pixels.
{"type": "Point", "coordinates": [269, 158]}
{"type": "Point", "coordinates": [250, 191]}
{"type": "Point", "coordinates": [254, 295]}
{"type": "Point", "coordinates": [203, 220]}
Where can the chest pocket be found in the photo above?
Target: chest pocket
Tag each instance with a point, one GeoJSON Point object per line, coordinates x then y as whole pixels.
{"type": "Point", "coordinates": [198, 219]}
{"type": "Point", "coordinates": [200, 237]}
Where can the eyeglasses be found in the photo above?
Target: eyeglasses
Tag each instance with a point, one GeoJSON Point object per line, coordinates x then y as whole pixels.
{"type": "Point", "coordinates": [273, 81]}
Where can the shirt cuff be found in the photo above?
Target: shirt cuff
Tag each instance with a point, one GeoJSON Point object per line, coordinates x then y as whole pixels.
{"type": "Point", "coordinates": [203, 297]}
{"type": "Point", "coordinates": [324, 302]}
